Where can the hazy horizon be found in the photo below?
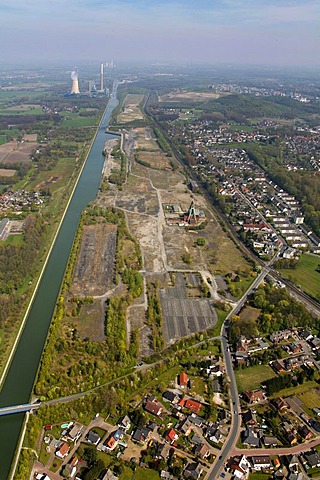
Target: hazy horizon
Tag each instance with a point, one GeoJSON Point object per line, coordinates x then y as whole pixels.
{"type": "Point", "coordinates": [252, 32]}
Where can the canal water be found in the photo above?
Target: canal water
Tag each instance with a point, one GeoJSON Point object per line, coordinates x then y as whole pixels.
{"type": "Point", "coordinates": [18, 385]}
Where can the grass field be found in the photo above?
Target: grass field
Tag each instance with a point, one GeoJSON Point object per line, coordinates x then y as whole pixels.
{"type": "Point", "coordinates": [3, 139]}
{"type": "Point", "coordinates": [75, 120]}
{"type": "Point", "coordinates": [259, 476]}
{"type": "Point", "coordinates": [249, 313]}
{"type": "Point", "coordinates": [305, 275]}
{"type": "Point", "coordinates": [14, 240]}
{"type": "Point", "coordinates": [297, 391]}
{"type": "Point", "coordinates": [146, 474]}
{"type": "Point", "coordinates": [310, 399]}
{"type": "Point", "coordinates": [252, 377]}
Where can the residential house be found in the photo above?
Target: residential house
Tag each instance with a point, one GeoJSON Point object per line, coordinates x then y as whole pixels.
{"type": "Point", "coordinates": [93, 438]}
{"type": "Point", "coordinates": [163, 451]}
{"type": "Point", "coordinates": [277, 366]}
{"type": "Point", "coordinates": [250, 438]}
{"type": "Point", "coordinates": [153, 407]}
{"type": "Point", "coordinates": [280, 405]}
{"type": "Point", "coordinates": [195, 420]}
{"type": "Point", "coordinates": [240, 466]}
{"type": "Point", "coordinates": [75, 432]}
{"type": "Point", "coordinates": [279, 336]}
{"type": "Point", "coordinates": [261, 463]}
{"type": "Point", "coordinates": [315, 343]}
{"type": "Point", "coordinates": [183, 380]}
{"type": "Point", "coordinates": [63, 451]}
{"type": "Point", "coordinates": [216, 385]}
{"type": "Point", "coordinates": [196, 439]}
{"type": "Point", "coordinates": [193, 470]}
{"type": "Point", "coordinates": [213, 434]}
{"type": "Point", "coordinates": [290, 437]}
{"type": "Point", "coordinates": [71, 469]}
{"type": "Point", "coordinates": [166, 475]}
{"type": "Point", "coordinates": [191, 404]}
{"type": "Point", "coordinates": [185, 426]}
{"type": "Point", "coordinates": [170, 397]}
{"type": "Point", "coordinates": [312, 459]}
{"type": "Point", "coordinates": [306, 335]}
{"type": "Point", "coordinates": [109, 475]}
{"type": "Point", "coordinates": [113, 440]}
{"type": "Point", "coordinates": [270, 441]}
{"type": "Point", "coordinates": [202, 450]}
{"type": "Point", "coordinates": [171, 436]}
{"type": "Point", "coordinates": [304, 432]}
{"type": "Point", "coordinates": [249, 418]}
{"type": "Point", "coordinates": [124, 423]}
{"type": "Point", "coordinates": [254, 396]}
{"type": "Point", "coordinates": [140, 434]}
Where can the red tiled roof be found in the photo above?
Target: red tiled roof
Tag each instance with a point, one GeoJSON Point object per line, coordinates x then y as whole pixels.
{"type": "Point", "coordinates": [191, 404]}
{"type": "Point", "coordinates": [183, 379]}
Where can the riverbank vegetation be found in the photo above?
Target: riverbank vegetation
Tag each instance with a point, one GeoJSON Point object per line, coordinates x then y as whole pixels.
{"type": "Point", "coordinates": [92, 362]}
{"type": "Point", "coordinates": [51, 170]}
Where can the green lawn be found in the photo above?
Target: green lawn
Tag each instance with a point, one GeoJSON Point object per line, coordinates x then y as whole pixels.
{"type": "Point", "coordinates": [299, 389]}
{"type": "Point", "coordinates": [305, 274]}
{"type": "Point", "coordinates": [127, 473]}
{"type": "Point", "coordinates": [252, 377]}
{"type": "Point", "coordinates": [75, 120]}
{"type": "Point", "coordinates": [259, 476]}
{"type": "Point", "coordinates": [146, 474]}
{"type": "Point", "coordinates": [3, 139]}
{"type": "Point", "coordinates": [14, 239]}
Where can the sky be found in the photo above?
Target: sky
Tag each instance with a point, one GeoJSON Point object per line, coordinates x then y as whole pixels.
{"type": "Point", "coordinates": [272, 32]}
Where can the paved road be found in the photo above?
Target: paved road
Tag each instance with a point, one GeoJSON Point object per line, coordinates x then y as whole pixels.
{"type": "Point", "coordinates": [278, 451]}
{"type": "Point", "coordinates": [229, 444]}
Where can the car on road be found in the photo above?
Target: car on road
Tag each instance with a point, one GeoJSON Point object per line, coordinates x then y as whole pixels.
{"type": "Point", "coordinates": [222, 474]}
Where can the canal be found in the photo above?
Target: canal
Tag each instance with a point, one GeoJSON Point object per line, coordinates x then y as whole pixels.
{"type": "Point", "coordinates": [18, 385]}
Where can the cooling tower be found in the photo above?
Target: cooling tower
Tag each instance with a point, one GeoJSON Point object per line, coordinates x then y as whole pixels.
{"type": "Point", "coordinates": [75, 84]}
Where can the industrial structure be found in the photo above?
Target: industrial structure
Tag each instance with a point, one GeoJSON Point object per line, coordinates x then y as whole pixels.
{"type": "Point", "coordinates": [101, 77]}
{"type": "Point", "coordinates": [75, 83]}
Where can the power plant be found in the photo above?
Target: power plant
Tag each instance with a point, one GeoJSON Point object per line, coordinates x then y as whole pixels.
{"type": "Point", "coordinates": [75, 83]}
{"type": "Point", "coordinates": [101, 77]}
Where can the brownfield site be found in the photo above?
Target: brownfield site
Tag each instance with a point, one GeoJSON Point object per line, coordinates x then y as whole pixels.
{"type": "Point", "coordinates": [94, 272]}
{"type": "Point", "coordinates": [184, 315]}
{"type": "Point", "coordinates": [181, 96]}
{"type": "Point", "coordinates": [131, 109]}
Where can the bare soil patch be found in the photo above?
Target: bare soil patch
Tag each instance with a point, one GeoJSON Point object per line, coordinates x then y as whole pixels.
{"type": "Point", "coordinates": [30, 137]}
{"type": "Point", "coordinates": [147, 233]}
{"type": "Point", "coordinates": [7, 172]}
{"type": "Point", "coordinates": [249, 313]}
{"type": "Point", "coordinates": [144, 201]}
{"type": "Point", "coordinates": [131, 109]}
{"type": "Point", "coordinates": [16, 152]}
{"type": "Point", "coordinates": [194, 96]}
{"type": "Point", "coordinates": [155, 160]}
{"type": "Point", "coordinates": [94, 272]}
{"type": "Point", "coordinates": [22, 108]}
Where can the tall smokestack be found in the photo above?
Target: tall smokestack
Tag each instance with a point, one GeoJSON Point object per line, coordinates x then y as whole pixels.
{"type": "Point", "coordinates": [101, 76]}
{"type": "Point", "coordinates": [75, 84]}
